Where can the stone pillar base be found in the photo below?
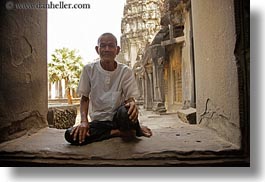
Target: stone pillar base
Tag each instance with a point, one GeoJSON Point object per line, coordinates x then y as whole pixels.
{"type": "Point", "coordinates": [159, 107]}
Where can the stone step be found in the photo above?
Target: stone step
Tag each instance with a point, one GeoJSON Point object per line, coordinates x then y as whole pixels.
{"type": "Point", "coordinates": [187, 115]}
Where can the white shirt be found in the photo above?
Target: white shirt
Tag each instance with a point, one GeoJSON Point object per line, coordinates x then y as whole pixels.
{"type": "Point", "coordinates": [106, 90]}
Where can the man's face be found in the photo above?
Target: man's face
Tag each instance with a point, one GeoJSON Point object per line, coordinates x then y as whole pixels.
{"type": "Point", "coordinates": [107, 48]}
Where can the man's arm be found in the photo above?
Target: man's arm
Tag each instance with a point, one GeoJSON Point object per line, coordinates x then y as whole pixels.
{"type": "Point", "coordinates": [84, 103]}
{"type": "Point", "coordinates": [82, 130]}
{"type": "Point", "coordinates": [133, 110]}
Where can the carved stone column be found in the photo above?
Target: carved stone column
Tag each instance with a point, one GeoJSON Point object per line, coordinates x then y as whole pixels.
{"type": "Point", "coordinates": [159, 101]}
{"type": "Point", "coordinates": [139, 81]}
{"type": "Point", "coordinates": [149, 96]}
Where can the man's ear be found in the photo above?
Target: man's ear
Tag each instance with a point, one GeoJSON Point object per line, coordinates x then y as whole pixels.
{"type": "Point", "coordinates": [96, 47]}
{"type": "Point", "coordinates": [118, 50]}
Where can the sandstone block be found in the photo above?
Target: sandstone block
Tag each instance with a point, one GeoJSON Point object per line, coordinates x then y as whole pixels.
{"type": "Point", "coordinates": [187, 115]}
{"type": "Point", "coordinates": [61, 117]}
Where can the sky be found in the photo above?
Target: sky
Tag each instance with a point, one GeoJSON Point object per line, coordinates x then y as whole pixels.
{"type": "Point", "coordinates": [80, 28]}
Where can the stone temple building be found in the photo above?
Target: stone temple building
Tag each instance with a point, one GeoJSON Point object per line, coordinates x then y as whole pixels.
{"type": "Point", "coordinates": [168, 64]}
{"type": "Point", "coordinates": [199, 61]}
{"type": "Point", "coordinates": [140, 22]}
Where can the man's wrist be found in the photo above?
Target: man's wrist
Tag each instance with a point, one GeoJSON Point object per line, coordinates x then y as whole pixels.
{"type": "Point", "coordinates": [84, 120]}
{"type": "Point", "coordinates": [84, 123]}
{"type": "Point", "coordinates": [84, 117]}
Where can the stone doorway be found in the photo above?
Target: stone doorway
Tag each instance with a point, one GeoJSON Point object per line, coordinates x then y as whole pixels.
{"type": "Point", "coordinates": [173, 78]}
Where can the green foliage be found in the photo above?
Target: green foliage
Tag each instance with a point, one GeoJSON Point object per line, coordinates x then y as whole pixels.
{"type": "Point", "coordinates": [65, 64]}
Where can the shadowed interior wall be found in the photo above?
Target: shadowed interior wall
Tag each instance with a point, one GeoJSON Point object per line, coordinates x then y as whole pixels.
{"type": "Point", "coordinates": [23, 66]}
{"type": "Point", "coordinates": [216, 67]}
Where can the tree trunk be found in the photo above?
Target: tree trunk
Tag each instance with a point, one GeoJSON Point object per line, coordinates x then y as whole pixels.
{"type": "Point", "coordinates": [60, 89]}
{"type": "Point", "coordinates": [69, 97]}
{"type": "Point", "coordinates": [74, 93]}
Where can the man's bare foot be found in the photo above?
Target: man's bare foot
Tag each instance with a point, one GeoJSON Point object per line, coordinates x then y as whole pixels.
{"type": "Point", "coordinates": [146, 131]}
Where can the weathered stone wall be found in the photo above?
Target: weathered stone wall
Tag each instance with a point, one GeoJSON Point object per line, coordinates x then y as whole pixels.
{"type": "Point", "coordinates": [216, 67]}
{"type": "Point", "coordinates": [187, 72]}
{"type": "Point", "coordinates": [23, 66]}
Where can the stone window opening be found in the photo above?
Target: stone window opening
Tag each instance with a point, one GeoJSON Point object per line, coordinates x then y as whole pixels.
{"type": "Point", "coordinates": [26, 139]}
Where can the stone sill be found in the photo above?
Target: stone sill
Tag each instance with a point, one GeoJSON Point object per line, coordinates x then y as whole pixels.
{"type": "Point", "coordinates": [165, 148]}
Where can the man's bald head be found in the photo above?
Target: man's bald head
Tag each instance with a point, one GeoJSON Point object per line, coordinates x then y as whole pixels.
{"type": "Point", "coordinates": [107, 34]}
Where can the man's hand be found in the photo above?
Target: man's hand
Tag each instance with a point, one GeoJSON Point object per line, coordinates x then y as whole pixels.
{"type": "Point", "coordinates": [133, 110]}
{"type": "Point", "coordinates": [81, 131]}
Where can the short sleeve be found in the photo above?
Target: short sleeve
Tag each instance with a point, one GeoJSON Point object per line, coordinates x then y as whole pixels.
{"type": "Point", "coordinates": [130, 87]}
{"type": "Point", "coordinates": [84, 86]}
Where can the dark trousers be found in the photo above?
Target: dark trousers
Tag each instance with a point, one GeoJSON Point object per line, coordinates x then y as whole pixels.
{"type": "Point", "coordinates": [101, 130]}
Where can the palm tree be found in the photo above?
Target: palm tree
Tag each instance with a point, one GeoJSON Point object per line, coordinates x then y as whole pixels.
{"type": "Point", "coordinates": [65, 64]}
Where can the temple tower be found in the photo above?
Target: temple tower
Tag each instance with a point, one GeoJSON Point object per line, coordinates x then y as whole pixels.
{"type": "Point", "coordinates": [140, 23]}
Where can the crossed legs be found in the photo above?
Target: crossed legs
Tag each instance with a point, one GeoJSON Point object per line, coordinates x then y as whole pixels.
{"type": "Point", "coordinates": [121, 126]}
